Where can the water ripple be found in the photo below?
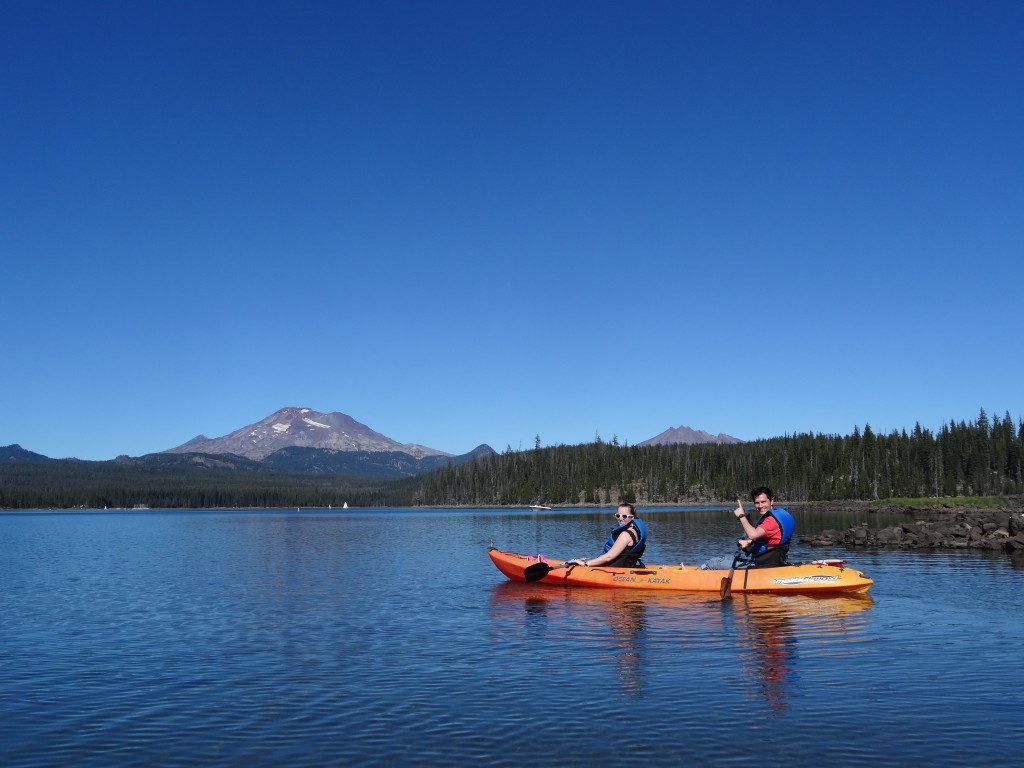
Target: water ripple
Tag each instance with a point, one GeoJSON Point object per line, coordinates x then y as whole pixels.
{"type": "Point", "coordinates": [259, 640]}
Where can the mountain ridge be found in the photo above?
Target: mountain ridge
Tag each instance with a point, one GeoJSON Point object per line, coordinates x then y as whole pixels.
{"type": "Point", "coordinates": [303, 440]}
{"type": "Point", "coordinates": [15, 452]}
{"type": "Point", "coordinates": [293, 427]}
{"type": "Point", "coordinates": [688, 436]}
{"type": "Point", "coordinates": [311, 461]}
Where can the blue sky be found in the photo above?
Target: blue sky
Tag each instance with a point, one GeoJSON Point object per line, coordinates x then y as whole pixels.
{"type": "Point", "coordinates": [479, 222]}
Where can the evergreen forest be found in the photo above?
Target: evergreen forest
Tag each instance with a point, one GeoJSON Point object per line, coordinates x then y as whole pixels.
{"type": "Point", "coordinates": [980, 458]}
{"type": "Point", "coordinates": [71, 484]}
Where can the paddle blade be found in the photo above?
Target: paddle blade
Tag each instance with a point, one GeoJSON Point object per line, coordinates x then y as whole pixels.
{"type": "Point", "coordinates": [726, 590]}
{"type": "Point", "coordinates": [537, 571]}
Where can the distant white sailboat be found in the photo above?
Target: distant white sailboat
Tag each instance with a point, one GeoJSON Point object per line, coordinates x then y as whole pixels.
{"type": "Point", "coordinates": [345, 505]}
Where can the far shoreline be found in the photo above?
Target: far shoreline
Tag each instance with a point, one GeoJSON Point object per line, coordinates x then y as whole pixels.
{"type": "Point", "coordinates": [933, 506]}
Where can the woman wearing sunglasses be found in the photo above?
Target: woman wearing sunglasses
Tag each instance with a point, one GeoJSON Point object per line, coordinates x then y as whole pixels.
{"type": "Point", "coordinates": [625, 545]}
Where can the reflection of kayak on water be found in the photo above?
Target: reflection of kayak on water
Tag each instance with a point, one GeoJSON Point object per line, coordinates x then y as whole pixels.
{"type": "Point", "coordinates": [794, 605]}
{"type": "Point", "coordinates": [635, 625]}
{"type": "Point", "coordinates": [821, 577]}
{"type": "Point", "coordinates": [513, 593]}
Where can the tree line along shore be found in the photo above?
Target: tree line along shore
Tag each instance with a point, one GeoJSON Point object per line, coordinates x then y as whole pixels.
{"type": "Point", "coordinates": [980, 458]}
{"type": "Point", "coordinates": [984, 457]}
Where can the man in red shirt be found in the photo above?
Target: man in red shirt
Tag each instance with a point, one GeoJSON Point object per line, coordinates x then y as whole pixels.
{"type": "Point", "coordinates": [768, 539]}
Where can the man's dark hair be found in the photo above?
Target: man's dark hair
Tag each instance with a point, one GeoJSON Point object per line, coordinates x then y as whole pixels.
{"type": "Point", "coordinates": [762, 489]}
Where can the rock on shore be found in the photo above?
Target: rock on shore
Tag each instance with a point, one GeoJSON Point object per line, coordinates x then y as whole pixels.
{"type": "Point", "coordinates": [939, 527]}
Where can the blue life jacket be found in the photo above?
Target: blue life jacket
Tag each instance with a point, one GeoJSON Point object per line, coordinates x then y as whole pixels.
{"type": "Point", "coordinates": [761, 548]}
{"type": "Point", "coordinates": [632, 554]}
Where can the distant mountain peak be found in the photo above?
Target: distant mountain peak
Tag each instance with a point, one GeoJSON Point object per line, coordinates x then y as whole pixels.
{"type": "Point", "coordinates": [15, 452]}
{"type": "Point", "coordinates": [303, 428]}
{"type": "Point", "coordinates": [687, 436]}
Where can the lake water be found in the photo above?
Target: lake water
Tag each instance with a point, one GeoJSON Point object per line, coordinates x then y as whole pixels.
{"type": "Point", "coordinates": [386, 637]}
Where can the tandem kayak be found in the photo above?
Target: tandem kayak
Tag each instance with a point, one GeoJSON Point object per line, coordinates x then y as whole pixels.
{"type": "Point", "coordinates": [818, 577]}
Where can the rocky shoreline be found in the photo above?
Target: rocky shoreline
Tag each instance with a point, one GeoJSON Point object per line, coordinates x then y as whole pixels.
{"type": "Point", "coordinates": [938, 526]}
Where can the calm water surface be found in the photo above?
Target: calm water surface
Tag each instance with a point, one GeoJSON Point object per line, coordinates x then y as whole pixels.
{"type": "Point", "coordinates": [387, 637]}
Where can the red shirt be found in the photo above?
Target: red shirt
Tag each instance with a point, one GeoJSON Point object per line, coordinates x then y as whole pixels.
{"type": "Point", "coordinates": [772, 530]}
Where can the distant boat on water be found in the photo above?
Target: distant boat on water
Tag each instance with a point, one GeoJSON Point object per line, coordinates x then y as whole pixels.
{"type": "Point", "coordinates": [539, 507]}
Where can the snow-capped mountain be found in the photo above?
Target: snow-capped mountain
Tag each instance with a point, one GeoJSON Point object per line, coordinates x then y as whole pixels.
{"type": "Point", "coordinates": [302, 427]}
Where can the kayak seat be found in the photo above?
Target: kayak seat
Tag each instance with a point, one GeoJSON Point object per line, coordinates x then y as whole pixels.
{"type": "Point", "coordinates": [773, 558]}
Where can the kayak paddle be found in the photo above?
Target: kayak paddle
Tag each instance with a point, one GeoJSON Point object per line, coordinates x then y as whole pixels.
{"type": "Point", "coordinates": [538, 571]}
{"type": "Point", "coordinates": [726, 590]}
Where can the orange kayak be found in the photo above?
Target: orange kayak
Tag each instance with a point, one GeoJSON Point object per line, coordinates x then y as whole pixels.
{"type": "Point", "coordinates": [818, 577]}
